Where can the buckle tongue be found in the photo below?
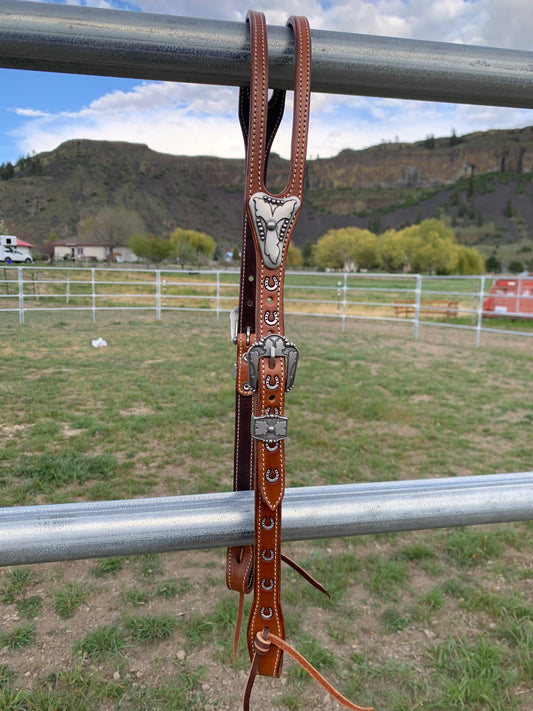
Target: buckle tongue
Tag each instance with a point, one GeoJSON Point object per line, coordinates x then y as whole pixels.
{"type": "Point", "coordinates": [234, 323]}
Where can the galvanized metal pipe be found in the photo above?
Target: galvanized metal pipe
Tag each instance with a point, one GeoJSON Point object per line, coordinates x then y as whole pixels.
{"type": "Point", "coordinates": [38, 534]}
{"type": "Point", "coordinates": [85, 40]}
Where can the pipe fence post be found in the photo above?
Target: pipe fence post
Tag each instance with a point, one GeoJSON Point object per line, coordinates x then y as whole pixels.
{"type": "Point", "coordinates": [344, 293]}
{"type": "Point", "coordinates": [21, 295]}
{"type": "Point", "coordinates": [93, 295]}
{"type": "Point", "coordinates": [480, 311]}
{"type": "Point", "coordinates": [218, 295]}
{"type": "Point", "coordinates": [418, 291]}
{"type": "Point", "coordinates": [158, 294]}
{"type": "Point", "coordinates": [67, 289]}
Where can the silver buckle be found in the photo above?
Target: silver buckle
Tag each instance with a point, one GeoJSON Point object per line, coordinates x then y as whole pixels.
{"type": "Point", "coordinates": [271, 347]}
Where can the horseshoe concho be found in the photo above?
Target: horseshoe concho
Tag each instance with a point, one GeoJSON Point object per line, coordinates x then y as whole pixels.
{"type": "Point", "coordinates": [272, 346]}
{"type": "Point", "coordinates": [272, 217]}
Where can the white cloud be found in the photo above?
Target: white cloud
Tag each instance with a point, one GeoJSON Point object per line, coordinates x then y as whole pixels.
{"type": "Point", "coordinates": [508, 23]}
{"type": "Point", "coordinates": [30, 113]}
{"type": "Point", "coordinates": [171, 118]}
{"type": "Point", "coordinates": [193, 119]}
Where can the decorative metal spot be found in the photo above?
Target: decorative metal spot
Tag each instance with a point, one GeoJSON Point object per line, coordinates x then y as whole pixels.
{"type": "Point", "coordinates": [272, 384]}
{"type": "Point", "coordinates": [272, 478]}
{"type": "Point", "coordinates": [267, 585]}
{"type": "Point", "coordinates": [272, 446]}
{"type": "Point", "coordinates": [267, 555]}
{"type": "Point", "coordinates": [272, 410]}
{"type": "Point", "coordinates": [266, 613]}
{"type": "Point", "coordinates": [271, 218]}
{"type": "Point", "coordinates": [268, 526]}
{"type": "Point", "coordinates": [269, 428]}
{"type": "Point", "coordinates": [271, 286]}
{"type": "Point", "coordinates": [271, 320]}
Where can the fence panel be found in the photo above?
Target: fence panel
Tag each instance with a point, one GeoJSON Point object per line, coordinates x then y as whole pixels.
{"type": "Point", "coordinates": [420, 300]}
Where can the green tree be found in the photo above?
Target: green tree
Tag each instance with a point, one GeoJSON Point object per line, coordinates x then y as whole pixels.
{"type": "Point", "coordinates": [516, 266]}
{"type": "Point", "coordinates": [470, 261]}
{"type": "Point", "coordinates": [366, 254]}
{"type": "Point", "coordinates": [295, 256]}
{"type": "Point", "coordinates": [454, 139]}
{"type": "Point", "coordinates": [7, 171]}
{"type": "Point", "coordinates": [431, 247]}
{"type": "Point", "coordinates": [191, 246]}
{"type": "Point", "coordinates": [307, 253]}
{"type": "Point", "coordinates": [346, 248]}
{"type": "Point", "coordinates": [493, 264]}
{"type": "Point", "coordinates": [391, 251]}
{"type": "Point", "coordinates": [374, 224]}
{"type": "Point", "coordinates": [150, 247]}
{"type": "Point", "coordinates": [112, 227]}
{"type": "Point", "coordinates": [48, 244]}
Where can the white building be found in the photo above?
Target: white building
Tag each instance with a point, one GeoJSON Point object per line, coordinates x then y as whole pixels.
{"type": "Point", "coordinates": [77, 250]}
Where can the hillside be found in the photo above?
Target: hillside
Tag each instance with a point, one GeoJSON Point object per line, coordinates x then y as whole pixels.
{"type": "Point", "coordinates": [480, 183]}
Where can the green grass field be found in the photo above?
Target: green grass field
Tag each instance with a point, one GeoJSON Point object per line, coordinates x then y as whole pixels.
{"type": "Point", "coordinates": [429, 620]}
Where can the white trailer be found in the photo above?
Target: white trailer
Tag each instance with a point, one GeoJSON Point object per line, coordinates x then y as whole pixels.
{"type": "Point", "coordinates": [9, 252]}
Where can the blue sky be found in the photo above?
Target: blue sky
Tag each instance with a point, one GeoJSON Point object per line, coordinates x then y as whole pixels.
{"type": "Point", "coordinates": [40, 110]}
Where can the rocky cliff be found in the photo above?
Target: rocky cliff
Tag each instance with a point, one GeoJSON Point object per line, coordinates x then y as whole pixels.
{"type": "Point", "coordinates": [53, 191]}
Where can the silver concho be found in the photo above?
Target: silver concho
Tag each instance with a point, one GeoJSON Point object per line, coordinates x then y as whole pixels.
{"type": "Point", "coordinates": [267, 584]}
{"type": "Point", "coordinates": [272, 218]}
{"type": "Point", "coordinates": [270, 428]}
{"type": "Point", "coordinates": [271, 320]}
{"type": "Point", "coordinates": [266, 612]}
{"type": "Point", "coordinates": [272, 478]}
{"type": "Point", "coordinates": [272, 384]}
{"type": "Point", "coordinates": [274, 285]}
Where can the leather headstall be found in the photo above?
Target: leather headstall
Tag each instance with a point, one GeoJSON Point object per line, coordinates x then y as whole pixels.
{"type": "Point", "coordinates": [266, 360]}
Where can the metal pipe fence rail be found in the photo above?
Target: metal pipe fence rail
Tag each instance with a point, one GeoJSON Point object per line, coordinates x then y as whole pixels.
{"type": "Point", "coordinates": [82, 40]}
{"type": "Point", "coordinates": [48, 533]}
{"type": "Point", "coordinates": [419, 300]}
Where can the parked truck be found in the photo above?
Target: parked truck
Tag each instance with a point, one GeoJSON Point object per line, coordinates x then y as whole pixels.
{"type": "Point", "coordinates": [9, 254]}
{"type": "Point", "coordinates": [510, 296]}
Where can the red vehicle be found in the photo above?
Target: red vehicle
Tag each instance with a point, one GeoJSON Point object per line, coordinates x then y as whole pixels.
{"type": "Point", "coordinates": [510, 296]}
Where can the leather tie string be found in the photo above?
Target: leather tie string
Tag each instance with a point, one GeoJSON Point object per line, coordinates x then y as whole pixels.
{"type": "Point", "coordinates": [262, 644]}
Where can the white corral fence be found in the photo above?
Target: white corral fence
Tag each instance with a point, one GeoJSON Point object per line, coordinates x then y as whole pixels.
{"type": "Point", "coordinates": [437, 301]}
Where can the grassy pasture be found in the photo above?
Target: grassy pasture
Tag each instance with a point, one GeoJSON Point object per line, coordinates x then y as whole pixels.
{"type": "Point", "coordinates": [434, 620]}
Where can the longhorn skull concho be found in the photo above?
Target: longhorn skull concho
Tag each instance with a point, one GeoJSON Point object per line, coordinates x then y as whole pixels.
{"type": "Point", "coordinates": [272, 217]}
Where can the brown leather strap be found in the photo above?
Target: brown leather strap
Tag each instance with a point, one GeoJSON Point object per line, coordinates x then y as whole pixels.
{"type": "Point", "coordinates": [270, 361]}
{"type": "Point", "coordinates": [239, 559]}
{"type": "Point", "coordinates": [262, 645]}
{"type": "Point", "coordinates": [305, 575]}
{"type": "Point", "coordinates": [272, 219]}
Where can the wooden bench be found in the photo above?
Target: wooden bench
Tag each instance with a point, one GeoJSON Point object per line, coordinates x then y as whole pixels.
{"type": "Point", "coordinates": [406, 309]}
